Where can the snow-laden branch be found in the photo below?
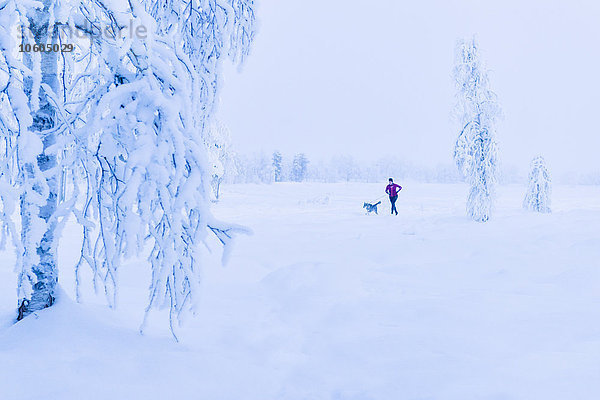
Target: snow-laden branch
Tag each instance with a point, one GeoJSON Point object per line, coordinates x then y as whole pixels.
{"type": "Point", "coordinates": [129, 159]}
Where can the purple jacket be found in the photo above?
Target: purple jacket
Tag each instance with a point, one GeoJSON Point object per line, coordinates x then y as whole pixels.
{"type": "Point", "coordinates": [392, 189]}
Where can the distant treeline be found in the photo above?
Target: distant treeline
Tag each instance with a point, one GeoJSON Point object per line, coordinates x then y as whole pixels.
{"type": "Point", "coordinates": [275, 167]}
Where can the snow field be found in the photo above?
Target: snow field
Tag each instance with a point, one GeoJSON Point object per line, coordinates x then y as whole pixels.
{"type": "Point", "coordinates": [325, 302]}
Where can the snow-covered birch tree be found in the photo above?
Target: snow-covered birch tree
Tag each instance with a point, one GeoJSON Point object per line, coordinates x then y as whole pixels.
{"type": "Point", "coordinates": [114, 136]}
{"type": "Point", "coordinates": [29, 126]}
{"type": "Point", "coordinates": [477, 111]}
{"type": "Point", "coordinates": [539, 190]}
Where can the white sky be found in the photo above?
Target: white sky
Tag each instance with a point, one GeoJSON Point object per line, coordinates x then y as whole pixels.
{"type": "Point", "coordinates": [373, 78]}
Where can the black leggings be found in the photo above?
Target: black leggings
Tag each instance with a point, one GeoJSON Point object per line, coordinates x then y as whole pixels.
{"type": "Point", "coordinates": [393, 201]}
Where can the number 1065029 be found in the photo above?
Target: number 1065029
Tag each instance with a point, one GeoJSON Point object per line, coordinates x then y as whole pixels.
{"type": "Point", "coordinates": [46, 48]}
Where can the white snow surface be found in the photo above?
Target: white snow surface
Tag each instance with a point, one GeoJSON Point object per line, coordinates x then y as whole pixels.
{"type": "Point", "coordinates": [325, 302]}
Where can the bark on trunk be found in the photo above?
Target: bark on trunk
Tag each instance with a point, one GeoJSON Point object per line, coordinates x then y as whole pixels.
{"type": "Point", "coordinates": [44, 120]}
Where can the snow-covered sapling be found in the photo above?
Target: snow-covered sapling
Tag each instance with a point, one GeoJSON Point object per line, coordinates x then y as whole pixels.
{"type": "Point", "coordinates": [220, 154]}
{"type": "Point", "coordinates": [539, 190]}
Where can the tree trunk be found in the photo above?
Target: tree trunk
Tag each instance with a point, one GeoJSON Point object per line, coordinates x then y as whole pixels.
{"type": "Point", "coordinates": [44, 120]}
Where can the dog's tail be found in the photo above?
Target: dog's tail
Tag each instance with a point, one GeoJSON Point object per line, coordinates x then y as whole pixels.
{"type": "Point", "coordinates": [378, 203]}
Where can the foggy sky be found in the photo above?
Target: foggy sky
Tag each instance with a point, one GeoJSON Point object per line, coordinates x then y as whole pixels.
{"type": "Point", "coordinates": [374, 78]}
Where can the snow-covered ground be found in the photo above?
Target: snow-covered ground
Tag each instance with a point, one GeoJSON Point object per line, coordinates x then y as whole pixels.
{"type": "Point", "coordinates": [325, 302]}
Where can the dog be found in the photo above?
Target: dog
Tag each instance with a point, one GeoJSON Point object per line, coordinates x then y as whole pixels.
{"type": "Point", "coordinates": [371, 207]}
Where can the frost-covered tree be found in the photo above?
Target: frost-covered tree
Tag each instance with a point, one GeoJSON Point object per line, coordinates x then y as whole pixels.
{"type": "Point", "coordinates": [262, 168]}
{"type": "Point", "coordinates": [253, 168]}
{"type": "Point", "coordinates": [277, 166]}
{"type": "Point", "coordinates": [218, 142]}
{"type": "Point", "coordinates": [346, 168]}
{"type": "Point", "coordinates": [28, 121]}
{"type": "Point", "coordinates": [299, 167]}
{"type": "Point", "coordinates": [114, 136]}
{"type": "Point", "coordinates": [539, 190]}
{"type": "Point", "coordinates": [477, 111]}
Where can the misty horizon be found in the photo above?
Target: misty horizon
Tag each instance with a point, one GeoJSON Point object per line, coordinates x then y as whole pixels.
{"type": "Point", "coordinates": [377, 82]}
